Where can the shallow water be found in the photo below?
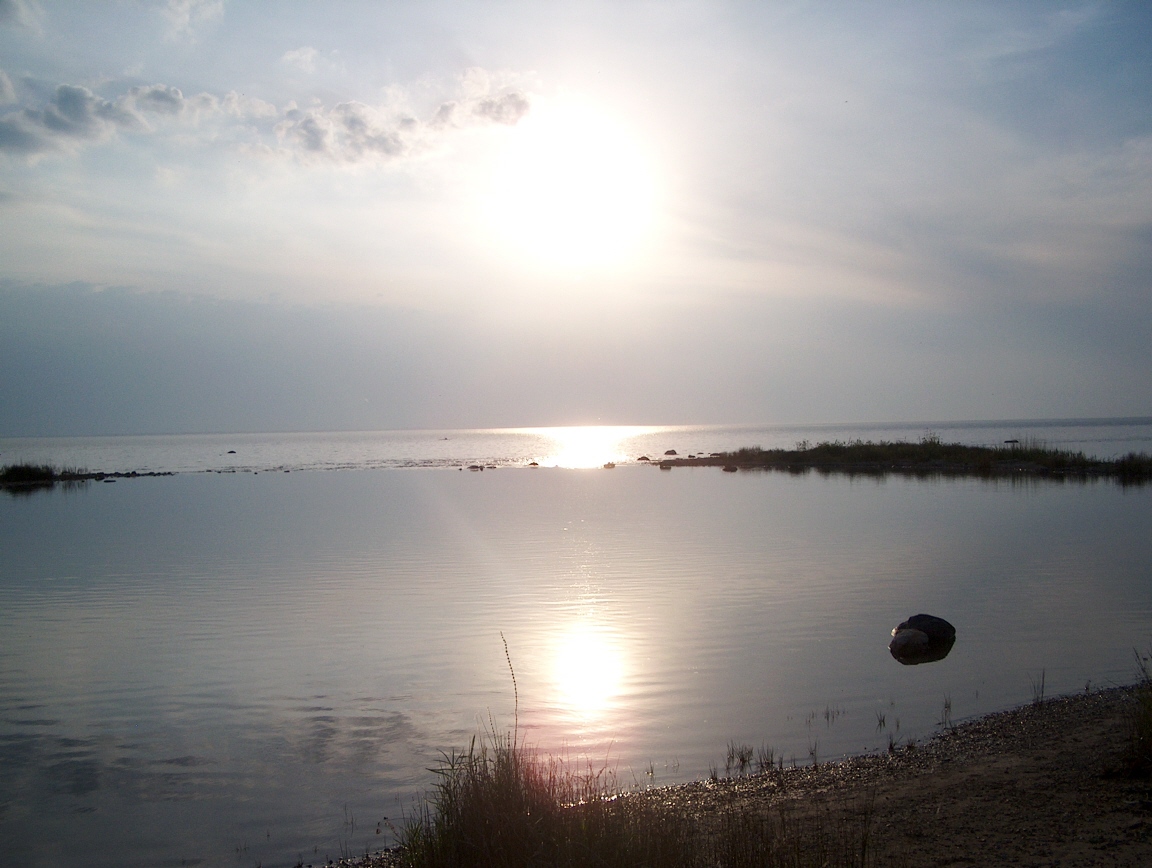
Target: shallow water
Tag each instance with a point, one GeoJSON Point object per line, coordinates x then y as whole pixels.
{"type": "Point", "coordinates": [248, 669]}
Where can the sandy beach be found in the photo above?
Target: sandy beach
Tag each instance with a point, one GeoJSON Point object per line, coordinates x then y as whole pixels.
{"type": "Point", "coordinates": [1040, 785]}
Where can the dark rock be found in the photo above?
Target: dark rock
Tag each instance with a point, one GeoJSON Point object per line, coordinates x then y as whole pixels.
{"type": "Point", "coordinates": [922, 639]}
{"type": "Point", "coordinates": [671, 452]}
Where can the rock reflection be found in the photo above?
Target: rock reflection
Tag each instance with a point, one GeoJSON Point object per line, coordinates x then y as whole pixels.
{"type": "Point", "coordinates": [922, 639]}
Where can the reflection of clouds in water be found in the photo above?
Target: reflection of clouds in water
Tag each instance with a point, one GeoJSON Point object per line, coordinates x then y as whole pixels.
{"type": "Point", "coordinates": [355, 740]}
{"type": "Point", "coordinates": [588, 669]}
{"type": "Point", "coordinates": [55, 773]}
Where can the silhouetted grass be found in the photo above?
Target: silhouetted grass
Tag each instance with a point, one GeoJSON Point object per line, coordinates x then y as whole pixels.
{"type": "Point", "coordinates": [1138, 753]}
{"type": "Point", "coordinates": [25, 478]}
{"type": "Point", "coordinates": [931, 455]}
{"type": "Point", "coordinates": [503, 804]}
{"type": "Point", "coordinates": [28, 474]}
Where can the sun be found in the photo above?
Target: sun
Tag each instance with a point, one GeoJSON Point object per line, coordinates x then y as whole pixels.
{"type": "Point", "coordinates": [571, 189]}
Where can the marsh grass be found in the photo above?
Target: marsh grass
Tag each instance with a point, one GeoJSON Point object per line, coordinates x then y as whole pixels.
{"type": "Point", "coordinates": [501, 803]}
{"type": "Point", "coordinates": [25, 478]}
{"type": "Point", "coordinates": [931, 455]}
{"type": "Point", "coordinates": [504, 804]}
{"type": "Point", "coordinates": [739, 759]}
{"type": "Point", "coordinates": [1038, 688]}
{"type": "Point", "coordinates": [1138, 752]}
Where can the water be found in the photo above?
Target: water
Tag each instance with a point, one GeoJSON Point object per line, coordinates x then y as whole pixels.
{"type": "Point", "coordinates": [257, 668]}
{"type": "Point", "coordinates": [567, 447]}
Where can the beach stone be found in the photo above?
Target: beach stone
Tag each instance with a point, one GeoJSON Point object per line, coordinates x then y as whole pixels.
{"type": "Point", "coordinates": [937, 629]}
{"type": "Point", "coordinates": [922, 639]}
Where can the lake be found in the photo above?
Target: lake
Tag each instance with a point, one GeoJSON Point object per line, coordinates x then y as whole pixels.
{"type": "Point", "coordinates": [242, 667]}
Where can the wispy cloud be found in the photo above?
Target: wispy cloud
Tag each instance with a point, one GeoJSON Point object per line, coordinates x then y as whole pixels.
{"type": "Point", "coordinates": [72, 116]}
{"type": "Point", "coordinates": [7, 91]}
{"type": "Point", "coordinates": [20, 13]}
{"type": "Point", "coordinates": [185, 16]}
{"type": "Point", "coordinates": [302, 58]}
{"type": "Point", "coordinates": [346, 132]}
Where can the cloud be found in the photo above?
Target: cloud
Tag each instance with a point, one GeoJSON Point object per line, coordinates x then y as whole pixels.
{"type": "Point", "coordinates": [7, 91]}
{"type": "Point", "coordinates": [185, 15]}
{"type": "Point", "coordinates": [20, 13]}
{"type": "Point", "coordinates": [348, 132]}
{"type": "Point", "coordinates": [354, 131]}
{"type": "Point", "coordinates": [303, 58]}
{"type": "Point", "coordinates": [505, 109]}
{"type": "Point", "coordinates": [158, 98]}
{"type": "Point", "coordinates": [74, 114]}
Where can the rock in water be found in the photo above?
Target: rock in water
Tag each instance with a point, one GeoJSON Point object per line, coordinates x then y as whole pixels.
{"type": "Point", "coordinates": [922, 639]}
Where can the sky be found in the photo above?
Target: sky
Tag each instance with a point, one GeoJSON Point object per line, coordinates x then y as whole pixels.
{"type": "Point", "coordinates": [225, 216]}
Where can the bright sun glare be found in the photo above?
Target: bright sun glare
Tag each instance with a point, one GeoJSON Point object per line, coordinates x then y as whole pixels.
{"type": "Point", "coordinates": [586, 446]}
{"type": "Point", "coordinates": [572, 189]}
{"type": "Point", "coordinates": [588, 669]}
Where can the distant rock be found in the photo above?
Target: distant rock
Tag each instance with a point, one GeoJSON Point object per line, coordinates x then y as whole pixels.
{"type": "Point", "coordinates": [671, 452]}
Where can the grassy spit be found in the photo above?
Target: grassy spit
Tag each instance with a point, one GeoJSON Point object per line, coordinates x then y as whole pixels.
{"type": "Point", "coordinates": [18, 478]}
{"type": "Point", "coordinates": [930, 456]}
{"type": "Point", "coordinates": [25, 478]}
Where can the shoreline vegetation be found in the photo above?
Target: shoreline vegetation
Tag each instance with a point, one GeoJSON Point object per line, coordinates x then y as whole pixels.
{"type": "Point", "coordinates": [928, 457]}
{"type": "Point", "coordinates": [17, 478]}
{"type": "Point", "coordinates": [1059, 781]}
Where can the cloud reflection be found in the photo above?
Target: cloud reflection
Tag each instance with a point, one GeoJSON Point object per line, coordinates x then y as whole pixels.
{"type": "Point", "coordinates": [587, 445]}
{"type": "Point", "coordinates": [588, 669]}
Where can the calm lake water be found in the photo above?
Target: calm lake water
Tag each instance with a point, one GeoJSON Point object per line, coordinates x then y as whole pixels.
{"type": "Point", "coordinates": [254, 668]}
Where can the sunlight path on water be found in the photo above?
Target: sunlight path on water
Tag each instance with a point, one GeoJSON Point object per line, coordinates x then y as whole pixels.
{"type": "Point", "coordinates": [586, 446]}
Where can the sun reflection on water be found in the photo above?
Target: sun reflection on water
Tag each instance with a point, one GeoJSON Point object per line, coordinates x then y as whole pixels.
{"type": "Point", "coordinates": [588, 669]}
{"type": "Point", "coordinates": [586, 446]}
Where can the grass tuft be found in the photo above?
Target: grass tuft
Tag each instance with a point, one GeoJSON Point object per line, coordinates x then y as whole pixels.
{"type": "Point", "coordinates": [504, 804]}
{"type": "Point", "coordinates": [1138, 753]}
{"type": "Point", "coordinates": [23, 479]}
{"type": "Point", "coordinates": [28, 474]}
{"type": "Point", "coordinates": [501, 803]}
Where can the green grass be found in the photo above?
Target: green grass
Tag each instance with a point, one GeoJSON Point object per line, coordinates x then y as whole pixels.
{"type": "Point", "coordinates": [503, 804]}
